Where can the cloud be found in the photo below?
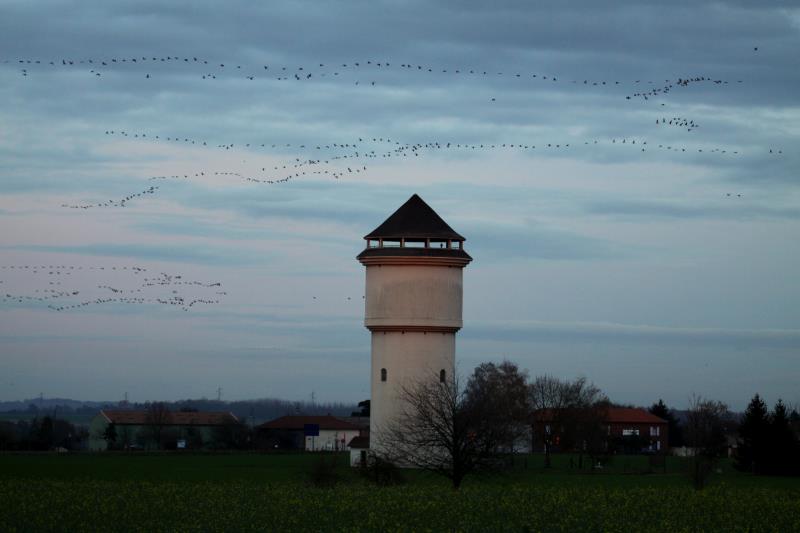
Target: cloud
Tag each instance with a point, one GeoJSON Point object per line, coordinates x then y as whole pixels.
{"type": "Point", "coordinates": [589, 332]}
{"type": "Point", "coordinates": [208, 255]}
{"type": "Point", "coordinates": [571, 227]}
{"type": "Point", "coordinates": [502, 243]}
{"type": "Point", "coordinates": [735, 208]}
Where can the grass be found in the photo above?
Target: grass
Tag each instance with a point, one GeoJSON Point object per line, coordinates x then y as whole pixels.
{"type": "Point", "coordinates": [173, 467]}
{"type": "Point", "coordinates": [208, 492]}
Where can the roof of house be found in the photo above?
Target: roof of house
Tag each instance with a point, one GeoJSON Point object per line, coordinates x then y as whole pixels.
{"type": "Point", "coordinates": [359, 442]}
{"type": "Point", "coordinates": [298, 422]}
{"type": "Point", "coordinates": [613, 415]}
{"type": "Point", "coordinates": [417, 219]}
{"type": "Point", "coordinates": [172, 418]}
{"type": "Point", "coordinates": [632, 415]}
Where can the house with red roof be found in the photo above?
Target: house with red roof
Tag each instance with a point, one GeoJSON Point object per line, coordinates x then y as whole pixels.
{"type": "Point", "coordinates": [636, 422]}
{"type": "Point", "coordinates": [304, 432]}
{"type": "Point", "coordinates": [175, 429]}
{"type": "Point", "coordinates": [627, 428]}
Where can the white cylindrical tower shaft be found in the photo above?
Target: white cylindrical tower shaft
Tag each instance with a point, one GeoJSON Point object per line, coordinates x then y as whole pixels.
{"type": "Point", "coordinates": [414, 263]}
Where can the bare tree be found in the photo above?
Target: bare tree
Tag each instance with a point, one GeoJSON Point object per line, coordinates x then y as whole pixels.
{"type": "Point", "coordinates": [585, 430]}
{"type": "Point", "coordinates": [497, 395]}
{"type": "Point", "coordinates": [573, 414]}
{"type": "Point", "coordinates": [548, 398]}
{"type": "Point", "coordinates": [436, 431]}
{"type": "Point", "coordinates": [705, 433]}
{"type": "Point", "coordinates": [157, 417]}
{"type": "Point", "coordinates": [584, 420]}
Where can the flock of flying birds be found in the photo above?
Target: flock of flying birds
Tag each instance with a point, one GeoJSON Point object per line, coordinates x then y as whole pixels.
{"type": "Point", "coordinates": [71, 287]}
{"type": "Point", "coordinates": [340, 159]}
{"type": "Point", "coordinates": [64, 287]}
{"type": "Point", "coordinates": [679, 122]}
{"type": "Point", "coordinates": [151, 66]}
{"type": "Point", "coordinates": [122, 202]}
{"type": "Point", "coordinates": [335, 160]}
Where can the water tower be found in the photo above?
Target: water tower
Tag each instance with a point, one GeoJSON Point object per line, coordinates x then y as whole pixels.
{"type": "Point", "coordinates": [415, 263]}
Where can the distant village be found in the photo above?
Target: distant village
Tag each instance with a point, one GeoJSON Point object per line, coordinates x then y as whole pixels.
{"type": "Point", "coordinates": [186, 426]}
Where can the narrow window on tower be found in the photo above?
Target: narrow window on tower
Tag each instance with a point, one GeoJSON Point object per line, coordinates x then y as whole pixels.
{"type": "Point", "coordinates": [442, 375]}
{"type": "Point", "coordinates": [383, 374]}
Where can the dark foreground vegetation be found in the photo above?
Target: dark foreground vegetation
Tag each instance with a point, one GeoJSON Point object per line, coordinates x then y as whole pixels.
{"type": "Point", "coordinates": [276, 492]}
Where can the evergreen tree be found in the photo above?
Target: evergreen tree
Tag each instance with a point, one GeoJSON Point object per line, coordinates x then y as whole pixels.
{"type": "Point", "coordinates": [110, 435]}
{"type": "Point", "coordinates": [752, 447]}
{"type": "Point", "coordinates": [782, 442]}
{"type": "Point", "coordinates": [794, 423]}
{"type": "Point", "coordinates": [674, 429]}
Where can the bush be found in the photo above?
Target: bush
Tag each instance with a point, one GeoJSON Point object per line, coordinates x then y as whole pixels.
{"type": "Point", "coordinates": [383, 472]}
{"type": "Point", "coordinates": [700, 470]}
{"type": "Point", "coordinates": [323, 471]}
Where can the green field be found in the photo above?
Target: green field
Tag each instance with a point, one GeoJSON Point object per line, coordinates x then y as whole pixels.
{"type": "Point", "coordinates": [271, 492]}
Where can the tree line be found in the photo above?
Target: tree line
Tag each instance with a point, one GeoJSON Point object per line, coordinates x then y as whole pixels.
{"type": "Point", "coordinates": [258, 410]}
{"type": "Point", "coordinates": [42, 434]}
{"type": "Point", "coordinates": [768, 440]}
{"type": "Point", "coordinates": [456, 428]}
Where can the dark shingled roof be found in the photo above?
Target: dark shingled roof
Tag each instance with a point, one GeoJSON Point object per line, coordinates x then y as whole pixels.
{"type": "Point", "coordinates": [414, 218]}
{"type": "Point", "coordinates": [171, 418]}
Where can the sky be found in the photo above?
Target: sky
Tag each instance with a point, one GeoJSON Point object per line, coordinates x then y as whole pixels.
{"type": "Point", "coordinates": [627, 177]}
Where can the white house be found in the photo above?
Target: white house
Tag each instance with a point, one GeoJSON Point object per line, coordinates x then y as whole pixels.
{"type": "Point", "coordinates": [311, 433]}
{"type": "Point", "coordinates": [359, 451]}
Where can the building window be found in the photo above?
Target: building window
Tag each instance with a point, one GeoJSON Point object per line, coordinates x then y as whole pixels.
{"type": "Point", "coordinates": [383, 374]}
{"type": "Point", "coordinates": [442, 375]}
{"type": "Point", "coordinates": [630, 432]}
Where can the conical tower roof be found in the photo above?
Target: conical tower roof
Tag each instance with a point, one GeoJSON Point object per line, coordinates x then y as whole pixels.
{"type": "Point", "coordinates": [414, 219]}
{"type": "Point", "coordinates": [414, 235]}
